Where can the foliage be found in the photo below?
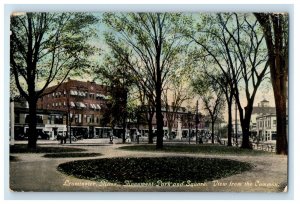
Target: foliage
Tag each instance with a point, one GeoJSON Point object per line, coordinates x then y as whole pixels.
{"type": "Point", "coordinates": [20, 148]}
{"type": "Point", "coordinates": [71, 154]}
{"type": "Point", "coordinates": [145, 169]}
{"type": "Point", "coordinates": [148, 45]}
{"type": "Point", "coordinates": [212, 97]}
{"type": "Point", "coordinates": [45, 48]}
{"type": "Point", "coordinates": [233, 44]}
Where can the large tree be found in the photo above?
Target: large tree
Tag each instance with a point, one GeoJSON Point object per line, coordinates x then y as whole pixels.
{"type": "Point", "coordinates": [45, 48]}
{"type": "Point", "coordinates": [115, 75]}
{"type": "Point", "coordinates": [212, 97]}
{"type": "Point", "coordinates": [147, 43]}
{"type": "Point", "coordinates": [176, 91]}
{"type": "Point", "coordinates": [275, 28]}
{"type": "Point", "coordinates": [234, 44]}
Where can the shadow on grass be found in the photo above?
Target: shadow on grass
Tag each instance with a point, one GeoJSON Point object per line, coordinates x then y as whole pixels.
{"type": "Point", "coordinates": [191, 148]}
{"type": "Point", "coordinates": [13, 159]}
{"type": "Point", "coordinates": [71, 154]}
{"type": "Point", "coordinates": [22, 148]}
{"type": "Point", "coordinates": [154, 169]}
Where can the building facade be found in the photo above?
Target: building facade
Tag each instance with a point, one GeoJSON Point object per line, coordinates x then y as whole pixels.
{"type": "Point", "coordinates": [83, 103]}
{"type": "Point", "coordinates": [50, 123]}
{"type": "Point", "coordinates": [266, 127]}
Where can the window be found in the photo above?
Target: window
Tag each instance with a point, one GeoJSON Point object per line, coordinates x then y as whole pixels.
{"type": "Point", "coordinates": [274, 122]}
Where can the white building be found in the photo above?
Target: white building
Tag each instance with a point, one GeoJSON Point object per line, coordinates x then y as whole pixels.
{"type": "Point", "coordinates": [263, 121]}
{"type": "Point", "coordinates": [266, 127]}
{"type": "Point", "coordinates": [263, 108]}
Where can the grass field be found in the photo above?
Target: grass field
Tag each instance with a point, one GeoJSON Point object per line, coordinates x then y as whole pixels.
{"type": "Point", "coordinates": [71, 154]}
{"type": "Point", "coordinates": [22, 148]}
{"type": "Point", "coordinates": [191, 148]}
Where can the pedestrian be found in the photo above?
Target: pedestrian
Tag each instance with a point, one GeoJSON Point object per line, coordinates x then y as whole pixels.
{"type": "Point", "coordinates": [138, 134]}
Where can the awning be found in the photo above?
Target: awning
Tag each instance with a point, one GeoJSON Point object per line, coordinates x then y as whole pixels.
{"type": "Point", "coordinates": [73, 93]}
{"type": "Point", "coordinates": [80, 105]}
{"type": "Point", "coordinates": [93, 106]}
{"type": "Point", "coordinates": [72, 104]}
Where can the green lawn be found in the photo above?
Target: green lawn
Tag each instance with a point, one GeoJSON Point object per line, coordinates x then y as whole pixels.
{"type": "Point", "coordinates": [22, 148]}
{"type": "Point", "coordinates": [192, 148]}
{"type": "Point", "coordinates": [71, 154]}
{"type": "Point", "coordinates": [154, 169]}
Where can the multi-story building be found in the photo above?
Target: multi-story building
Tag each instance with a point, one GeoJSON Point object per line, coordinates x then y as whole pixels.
{"type": "Point", "coordinates": [83, 102]}
{"type": "Point", "coordinates": [263, 121]}
{"type": "Point", "coordinates": [263, 108]}
{"type": "Point", "coordinates": [266, 127]}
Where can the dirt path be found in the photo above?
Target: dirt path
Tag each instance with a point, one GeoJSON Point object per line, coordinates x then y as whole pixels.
{"type": "Point", "coordinates": [33, 172]}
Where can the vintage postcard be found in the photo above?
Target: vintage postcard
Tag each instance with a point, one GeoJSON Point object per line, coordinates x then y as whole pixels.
{"type": "Point", "coordinates": [148, 102]}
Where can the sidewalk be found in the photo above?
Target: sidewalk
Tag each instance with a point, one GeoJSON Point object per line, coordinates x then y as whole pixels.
{"type": "Point", "coordinates": [35, 173]}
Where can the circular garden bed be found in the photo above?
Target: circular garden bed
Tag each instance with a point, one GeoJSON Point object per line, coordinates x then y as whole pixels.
{"type": "Point", "coordinates": [153, 169]}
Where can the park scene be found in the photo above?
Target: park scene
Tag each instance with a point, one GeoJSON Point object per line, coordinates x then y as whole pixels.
{"type": "Point", "coordinates": [147, 102]}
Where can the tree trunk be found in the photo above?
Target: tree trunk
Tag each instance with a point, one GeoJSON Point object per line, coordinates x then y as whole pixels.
{"type": "Point", "coordinates": [170, 131]}
{"type": "Point", "coordinates": [246, 129]}
{"type": "Point", "coordinates": [212, 132]}
{"type": "Point", "coordinates": [124, 129]}
{"type": "Point", "coordinates": [229, 128]}
{"type": "Point", "coordinates": [150, 134]}
{"type": "Point", "coordinates": [32, 132]}
{"type": "Point", "coordinates": [159, 120]}
{"type": "Point", "coordinates": [281, 140]}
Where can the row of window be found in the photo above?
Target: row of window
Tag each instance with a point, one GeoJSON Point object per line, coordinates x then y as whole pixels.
{"type": "Point", "coordinates": [83, 94]}
{"type": "Point", "coordinates": [79, 118]}
{"type": "Point", "coordinates": [79, 105]}
{"type": "Point", "coordinates": [266, 123]}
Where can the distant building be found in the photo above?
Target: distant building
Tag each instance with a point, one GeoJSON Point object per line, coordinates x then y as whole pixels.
{"type": "Point", "coordinates": [183, 122]}
{"type": "Point", "coordinates": [263, 108]}
{"type": "Point", "coordinates": [50, 123]}
{"type": "Point", "coordinates": [266, 127]}
{"type": "Point", "coordinates": [84, 102]}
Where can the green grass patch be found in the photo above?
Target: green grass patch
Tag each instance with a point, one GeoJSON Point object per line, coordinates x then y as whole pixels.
{"type": "Point", "coordinates": [192, 148]}
{"type": "Point", "coordinates": [22, 148]}
{"type": "Point", "coordinates": [71, 154]}
{"type": "Point", "coordinates": [154, 170]}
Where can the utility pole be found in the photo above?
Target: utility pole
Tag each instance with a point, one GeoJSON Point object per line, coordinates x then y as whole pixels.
{"type": "Point", "coordinates": [236, 127]}
{"type": "Point", "coordinates": [68, 117]}
{"type": "Point", "coordinates": [12, 123]}
{"type": "Point", "coordinates": [197, 121]}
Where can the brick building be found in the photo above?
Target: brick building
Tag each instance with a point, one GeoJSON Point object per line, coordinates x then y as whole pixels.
{"type": "Point", "coordinates": [83, 101]}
